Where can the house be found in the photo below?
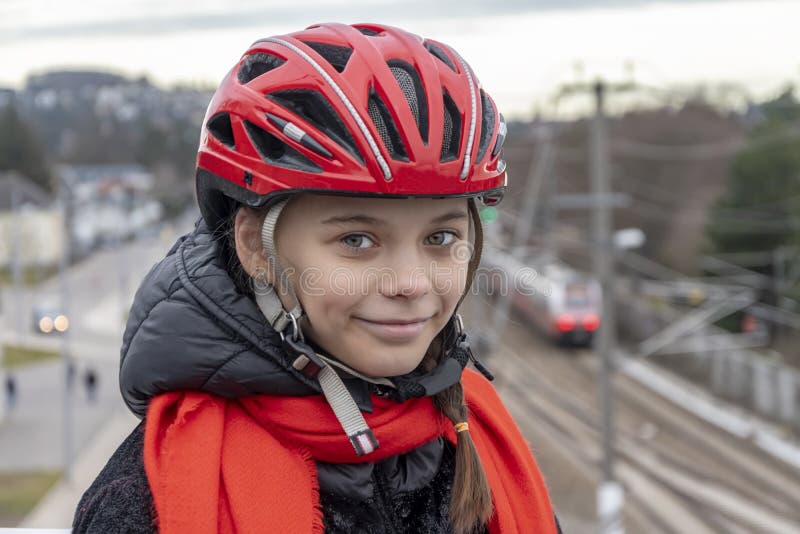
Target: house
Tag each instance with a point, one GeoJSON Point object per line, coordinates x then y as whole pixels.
{"type": "Point", "coordinates": [108, 203]}
{"type": "Point", "coordinates": [31, 226]}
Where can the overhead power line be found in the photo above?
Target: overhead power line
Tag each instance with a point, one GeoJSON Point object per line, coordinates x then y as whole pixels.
{"type": "Point", "coordinates": [720, 149]}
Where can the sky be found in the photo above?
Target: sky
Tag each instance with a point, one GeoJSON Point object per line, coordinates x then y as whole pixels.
{"type": "Point", "coordinates": [522, 50]}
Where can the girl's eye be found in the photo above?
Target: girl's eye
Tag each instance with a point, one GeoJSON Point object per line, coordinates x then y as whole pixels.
{"type": "Point", "coordinates": [357, 241]}
{"type": "Point", "coordinates": [443, 238]}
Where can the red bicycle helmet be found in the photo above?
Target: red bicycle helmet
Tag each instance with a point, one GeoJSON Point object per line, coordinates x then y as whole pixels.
{"type": "Point", "coordinates": [365, 109]}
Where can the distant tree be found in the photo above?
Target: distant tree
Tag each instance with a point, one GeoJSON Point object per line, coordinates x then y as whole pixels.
{"type": "Point", "coordinates": [785, 108]}
{"type": "Point", "coordinates": [761, 209]}
{"type": "Point", "coordinates": [20, 149]}
{"type": "Point", "coordinates": [153, 143]}
{"type": "Point", "coordinates": [670, 196]}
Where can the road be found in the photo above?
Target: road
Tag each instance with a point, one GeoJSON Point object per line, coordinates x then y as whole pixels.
{"type": "Point", "coordinates": [101, 289]}
{"type": "Point", "coordinates": [680, 473]}
{"type": "Point", "coordinates": [31, 437]}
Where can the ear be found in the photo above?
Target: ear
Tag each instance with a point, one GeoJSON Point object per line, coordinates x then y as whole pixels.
{"type": "Point", "coordinates": [247, 232]}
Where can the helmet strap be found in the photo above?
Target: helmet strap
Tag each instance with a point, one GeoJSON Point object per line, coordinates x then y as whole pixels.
{"type": "Point", "coordinates": [305, 359]}
{"type": "Point", "coordinates": [267, 297]}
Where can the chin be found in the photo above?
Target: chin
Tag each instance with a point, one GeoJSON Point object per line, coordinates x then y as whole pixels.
{"type": "Point", "coordinates": [393, 362]}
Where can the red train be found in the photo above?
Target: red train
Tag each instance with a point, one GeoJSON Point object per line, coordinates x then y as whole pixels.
{"type": "Point", "coordinates": [561, 303]}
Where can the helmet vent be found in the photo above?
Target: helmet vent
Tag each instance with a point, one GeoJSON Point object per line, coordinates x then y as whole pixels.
{"type": "Point", "coordinates": [337, 56]}
{"type": "Point", "coordinates": [315, 109]}
{"type": "Point", "coordinates": [368, 31]}
{"type": "Point", "coordinates": [257, 64]}
{"type": "Point", "coordinates": [386, 127]}
{"type": "Point", "coordinates": [452, 129]}
{"type": "Point", "coordinates": [409, 81]}
{"type": "Point", "coordinates": [275, 152]}
{"type": "Point", "coordinates": [487, 125]}
{"type": "Point", "coordinates": [439, 53]}
{"type": "Point", "coordinates": [219, 126]}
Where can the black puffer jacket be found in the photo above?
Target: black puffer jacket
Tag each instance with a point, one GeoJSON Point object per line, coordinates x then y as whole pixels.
{"type": "Point", "coordinates": [189, 328]}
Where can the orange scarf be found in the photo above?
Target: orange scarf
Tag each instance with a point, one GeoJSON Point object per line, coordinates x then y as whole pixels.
{"type": "Point", "coordinates": [248, 465]}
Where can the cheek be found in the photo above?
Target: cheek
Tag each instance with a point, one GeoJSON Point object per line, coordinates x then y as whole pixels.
{"type": "Point", "coordinates": [449, 281]}
{"type": "Point", "coordinates": [326, 313]}
{"type": "Point", "coordinates": [328, 296]}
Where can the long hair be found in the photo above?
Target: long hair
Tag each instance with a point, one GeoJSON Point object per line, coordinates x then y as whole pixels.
{"type": "Point", "coordinates": [470, 497]}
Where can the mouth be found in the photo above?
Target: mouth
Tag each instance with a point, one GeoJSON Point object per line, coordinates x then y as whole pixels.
{"type": "Point", "coordinates": [396, 329]}
{"type": "Point", "coordinates": [396, 321]}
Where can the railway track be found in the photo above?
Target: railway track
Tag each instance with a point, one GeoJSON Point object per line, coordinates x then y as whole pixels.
{"type": "Point", "coordinates": [680, 474]}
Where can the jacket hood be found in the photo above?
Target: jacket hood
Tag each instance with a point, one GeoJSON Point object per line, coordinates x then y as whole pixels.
{"type": "Point", "coordinates": [190, 328]}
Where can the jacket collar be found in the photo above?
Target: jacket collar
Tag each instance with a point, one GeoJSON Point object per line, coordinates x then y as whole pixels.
{"type": "Point", "coordinates": [190, 328]}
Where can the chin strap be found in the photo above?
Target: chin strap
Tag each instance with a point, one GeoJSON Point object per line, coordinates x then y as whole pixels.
{"type": "Point", "coordinates": [444, 375]}
{"type": "Point", "coordinates": [266, 296]}
{"type": "Point", "coordinates": [305, 359]}
{"type": "Point", "coordinates": [402, 388]}
{"type": "Point", "coordinates": [336, 393]}
{"type": "Point", "coordinates": [270, 305]}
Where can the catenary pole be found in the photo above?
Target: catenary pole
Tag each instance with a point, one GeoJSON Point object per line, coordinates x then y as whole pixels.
{"type": "Point", "coordinates": [540, 166]}
{"type": "Point", "coordinates": [610, 497]}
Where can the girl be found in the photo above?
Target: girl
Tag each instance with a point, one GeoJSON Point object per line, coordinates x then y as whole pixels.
{"type": "Point", "coordinates": [298, 358]}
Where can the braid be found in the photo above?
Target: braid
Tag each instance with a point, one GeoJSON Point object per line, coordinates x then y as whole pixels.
{"type": "Point", "coordinates": [470, 499]}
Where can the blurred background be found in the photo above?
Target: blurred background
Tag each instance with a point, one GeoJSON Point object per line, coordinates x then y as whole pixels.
{"type": "Point", "coordinates": [653, 153]}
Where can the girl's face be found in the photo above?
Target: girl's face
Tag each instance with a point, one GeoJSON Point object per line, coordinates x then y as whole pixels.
{"type": "Point", "coordinates": [377, 278]}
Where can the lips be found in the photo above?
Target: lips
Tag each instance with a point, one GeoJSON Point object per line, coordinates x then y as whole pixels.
{"type": "Point", "coordinates": [396, 321]}
{"type": "Point", "coordinates": [396, 329]}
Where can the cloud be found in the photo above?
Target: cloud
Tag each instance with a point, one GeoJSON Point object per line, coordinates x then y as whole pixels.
{"type": "Point", "coordinates": [21, 19]}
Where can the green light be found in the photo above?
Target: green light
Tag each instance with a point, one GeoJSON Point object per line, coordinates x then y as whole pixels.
{"type": "Point", "coordinates": [489, 214]}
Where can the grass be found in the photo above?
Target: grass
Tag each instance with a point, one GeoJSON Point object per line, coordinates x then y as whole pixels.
{"type": "Point", "coordinates": [19, 493]}
{"type": "Point", "coordinates": [31, 276]}
{"type": "Point", "coordinates": [17, 356]}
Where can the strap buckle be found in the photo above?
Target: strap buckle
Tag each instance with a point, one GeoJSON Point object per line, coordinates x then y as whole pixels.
{"type": "Point", "coordinates": [306, 359]}
{"type": "Point", "coordinates": [459, 324]}
{"type": "Point", "coordinates": [462, 342]}
{"type": "Point", "coordinates": [297, 333]}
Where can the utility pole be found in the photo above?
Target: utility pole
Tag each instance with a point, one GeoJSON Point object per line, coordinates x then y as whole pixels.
{"type": "Point", "coordinates": [16, 258]}
{"type": "Point", "coordinates": [610, 494]}
{"type": "Point", "coordinates": [610, 497]}
{"type": "Point", "coordinates": [65, 197]}
{"type": "Point", "coordinates": [778, 283]}
{"type": "Point", "coordinates": [538, 170]}
{"type": "Point", "coordinates": [15, 263]}
{"type": "Point", "coordinates": [550, 213]}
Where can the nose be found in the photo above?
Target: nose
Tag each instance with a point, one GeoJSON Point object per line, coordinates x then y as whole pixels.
{"type": "Point", "coordinates": [408, 278]}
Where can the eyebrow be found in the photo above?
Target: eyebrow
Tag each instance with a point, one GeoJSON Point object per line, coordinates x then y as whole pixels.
{"type": "Point", "coordinates": [366, 219]}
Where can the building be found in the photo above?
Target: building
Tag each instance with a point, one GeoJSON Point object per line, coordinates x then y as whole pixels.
{"type": "Point", "coordinates": [108, 203]}
{"type": "Point", "coordinates": [30, 224]}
